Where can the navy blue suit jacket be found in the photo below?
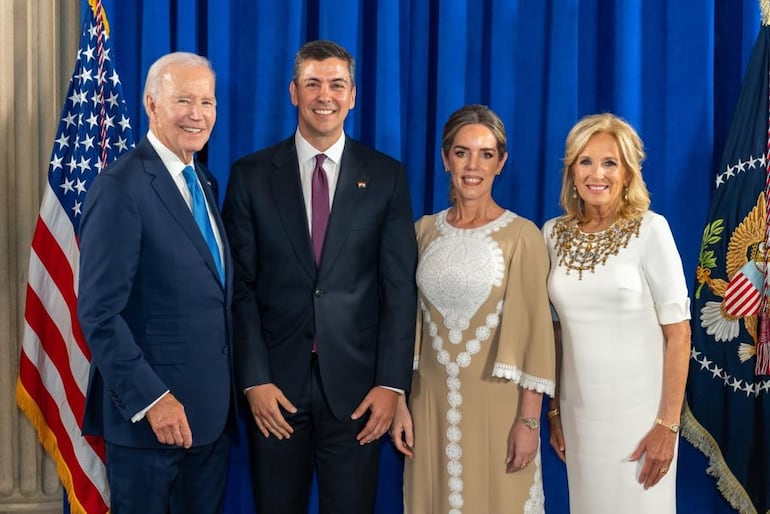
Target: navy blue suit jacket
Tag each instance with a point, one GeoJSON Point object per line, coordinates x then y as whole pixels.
{"type": "Point", "coordinates": [359, 305]}
{"type": "Point", "coordinates": [151, 305]}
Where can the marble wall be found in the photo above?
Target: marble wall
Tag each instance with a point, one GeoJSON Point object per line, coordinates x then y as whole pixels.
{"type": "Point", "coordinates": [38, 45]}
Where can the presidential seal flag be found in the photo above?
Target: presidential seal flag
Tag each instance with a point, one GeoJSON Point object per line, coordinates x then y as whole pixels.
{"type": "Point", "coordinates": [94, 130]}
{"type": "Point", "coordinates": [727, 415]}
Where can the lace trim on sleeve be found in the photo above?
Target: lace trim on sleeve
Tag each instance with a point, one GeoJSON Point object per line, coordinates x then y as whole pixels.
{"type": "Point", "coordinates": [525, 380]}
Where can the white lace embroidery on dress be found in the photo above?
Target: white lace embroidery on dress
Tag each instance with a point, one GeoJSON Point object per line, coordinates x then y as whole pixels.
{"type": "Point", "coordinates": [458, 270]}
{"type": "Point", "coordinates": [525, 380]}
{"type": "Point", "coordinates": [456, 274]}
{"type": "Point", "coordinates": [536, 502]}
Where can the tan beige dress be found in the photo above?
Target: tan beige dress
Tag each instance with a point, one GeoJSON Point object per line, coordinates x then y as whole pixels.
{"type": "Point", "coordinates": [484, 332]}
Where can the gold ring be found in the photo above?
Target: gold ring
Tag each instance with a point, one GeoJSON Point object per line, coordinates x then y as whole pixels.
{"type": "Point", "coordinates": [663, 471]}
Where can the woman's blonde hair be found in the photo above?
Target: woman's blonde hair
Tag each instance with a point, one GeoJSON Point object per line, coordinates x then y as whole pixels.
{"type": "Point", "coordinates": [636, 199]}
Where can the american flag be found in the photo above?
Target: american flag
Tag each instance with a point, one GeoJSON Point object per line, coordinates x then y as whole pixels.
{"type": "Point", "coordinates": [53, 370]}
{"type": "Point", "coordinates": [727, 415]}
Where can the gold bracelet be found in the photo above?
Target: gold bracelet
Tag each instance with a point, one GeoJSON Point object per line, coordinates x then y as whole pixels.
{"type": "Point", "coordinates": [530, 423]}
{"type": "Point", "coordinates": [552, 413]}
{"type": "Point", "coordinates": [674, 427]}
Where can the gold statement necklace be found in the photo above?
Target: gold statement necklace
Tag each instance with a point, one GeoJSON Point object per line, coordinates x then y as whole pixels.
{"type": "Point", "coordinates": [580, 251]}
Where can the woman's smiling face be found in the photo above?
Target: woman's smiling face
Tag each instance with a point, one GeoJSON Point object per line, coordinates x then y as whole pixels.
{"type": "Point", "coordinates": [474, 161]}
{"type": "Point", "coordinates": [600, 176]}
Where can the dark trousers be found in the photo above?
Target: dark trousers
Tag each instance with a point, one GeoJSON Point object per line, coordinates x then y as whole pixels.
{"type": "Point", "coordinates": [282, 470]}
{"type": "Point", "coordinates": [174, 480]}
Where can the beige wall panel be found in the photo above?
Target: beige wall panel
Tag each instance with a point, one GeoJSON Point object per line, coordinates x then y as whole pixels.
{"type": "Point", "coordinates": [38, 45]}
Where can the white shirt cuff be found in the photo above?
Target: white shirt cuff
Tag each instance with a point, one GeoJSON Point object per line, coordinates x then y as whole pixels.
{"type": "Point", "coordinates": [139, 416]}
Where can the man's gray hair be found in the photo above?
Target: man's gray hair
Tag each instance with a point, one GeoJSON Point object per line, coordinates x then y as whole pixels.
{"type": "Point", "coordinates": [155, 73]}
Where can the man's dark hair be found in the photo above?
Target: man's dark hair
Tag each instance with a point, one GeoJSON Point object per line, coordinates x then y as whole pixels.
{"type": "Point", "coordinates": [320, 50]}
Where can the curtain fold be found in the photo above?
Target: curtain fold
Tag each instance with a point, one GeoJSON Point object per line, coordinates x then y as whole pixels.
{"type": "Point", "coordinates": [671, 68]}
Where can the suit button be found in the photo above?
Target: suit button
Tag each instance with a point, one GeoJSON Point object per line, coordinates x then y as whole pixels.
{"type": "Point", "coordinates": [318, 292]}
{"type": "Point", "coordinates": [226, 350]}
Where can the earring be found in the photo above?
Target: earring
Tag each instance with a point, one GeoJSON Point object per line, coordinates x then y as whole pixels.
{"type": "Point", "coordinates": [625, 193]}
{"type": "Point", "coordinates": [574, 192]}
{"type": "Point", "coordinates": [446, 170]}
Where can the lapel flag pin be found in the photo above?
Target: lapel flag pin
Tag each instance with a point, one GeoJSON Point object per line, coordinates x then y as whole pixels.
{"type": "Point", "coordinates": [361, 184]}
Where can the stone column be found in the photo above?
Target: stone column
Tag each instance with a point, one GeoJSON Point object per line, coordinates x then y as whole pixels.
{"type": "Point", "coordinates": [38, 45]}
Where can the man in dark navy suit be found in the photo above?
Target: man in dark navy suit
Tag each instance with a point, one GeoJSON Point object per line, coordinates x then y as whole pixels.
{"type": "Point", "coordinates": [154, 305]}
{"type": "Point", "coordinates": [325, 300]}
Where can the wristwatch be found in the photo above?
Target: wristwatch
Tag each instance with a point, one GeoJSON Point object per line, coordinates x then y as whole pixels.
{"type": "Point", "coordinates": [671, 426]}
{"type": "Point", "coordinates": [530, 423]}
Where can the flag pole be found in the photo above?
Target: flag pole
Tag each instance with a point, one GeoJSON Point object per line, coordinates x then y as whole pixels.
{"type": "Point", "coordinates": [762, 366]}
{"type": "Point", "coordinates": [101, 15]}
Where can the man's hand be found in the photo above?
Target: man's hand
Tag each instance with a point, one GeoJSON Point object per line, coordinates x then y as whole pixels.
{"type": "Point", "coordinates": [381, 403]}
{"type": "Point", "coordinates": [169, 422]}
{"type": "Point", "coordinates": [264, 402]}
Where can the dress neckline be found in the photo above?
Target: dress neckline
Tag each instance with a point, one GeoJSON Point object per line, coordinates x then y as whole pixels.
{"type": "Point", "coordinates": [490, 226]}
{"type": "Point", "coordinates": [584, 251]}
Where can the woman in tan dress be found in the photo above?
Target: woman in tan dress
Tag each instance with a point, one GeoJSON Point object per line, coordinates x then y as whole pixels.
{"type": "Point", "coordinates": [484, 351]}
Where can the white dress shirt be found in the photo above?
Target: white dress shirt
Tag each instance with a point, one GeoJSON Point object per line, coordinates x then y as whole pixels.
{"type": "Point", "coordinates": [306, 154]}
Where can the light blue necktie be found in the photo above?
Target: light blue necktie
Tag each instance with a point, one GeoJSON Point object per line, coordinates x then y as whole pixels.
{"type": "Point", "coordinates": [201, 216]}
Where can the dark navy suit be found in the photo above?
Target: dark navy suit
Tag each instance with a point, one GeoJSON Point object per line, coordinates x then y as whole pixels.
{"type": "Point", "coordinates": [153, 310]}
{"type": "Point", "coordinates": [359, 305]}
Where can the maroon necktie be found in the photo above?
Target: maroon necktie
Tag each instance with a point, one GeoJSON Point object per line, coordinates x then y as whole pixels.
{"type": "Point", "coordinates": [320, 207]}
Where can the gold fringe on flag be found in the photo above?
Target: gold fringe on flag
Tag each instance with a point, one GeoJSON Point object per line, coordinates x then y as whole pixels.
{"type": "Point", "coordinates": [97, 4]}
{"type": "Point", "coordinates": [728, 485]}
{"type": "Point", "coordinates": [48, 440]}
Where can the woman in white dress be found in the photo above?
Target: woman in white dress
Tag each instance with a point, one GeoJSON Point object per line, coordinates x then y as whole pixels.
{"type": "Point", "coordinates": [619, 292]}
{"type": "Point", "coordinates": [484, 353]}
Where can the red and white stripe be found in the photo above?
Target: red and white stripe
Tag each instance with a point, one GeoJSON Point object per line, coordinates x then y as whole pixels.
{"type": "Point", "coordinates": [741, 297]}
{"type": "Point", "coordinates": [54, 364]}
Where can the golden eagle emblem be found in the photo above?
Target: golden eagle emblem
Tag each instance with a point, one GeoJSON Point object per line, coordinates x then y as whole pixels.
{"type": "Point", "coordinates": [741, 293]}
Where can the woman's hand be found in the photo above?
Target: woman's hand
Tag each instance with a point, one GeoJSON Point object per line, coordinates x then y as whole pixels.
{"type": "Point", "coordinates": [522, 446]}
{"type": "Point", "coordinates": [557, 437]}
{"type": "Point", "coordinates": [659, 443]}
{"type": "Point", "coordinates": [402, 430]}
{"type": "Point", "coordinates": [658, 450]}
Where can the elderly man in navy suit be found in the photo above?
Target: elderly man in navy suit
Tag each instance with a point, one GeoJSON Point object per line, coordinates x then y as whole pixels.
{"type": "Point", "coordinates": [154, 305]}
{"type": "Point", "coordinates": [325, 301]}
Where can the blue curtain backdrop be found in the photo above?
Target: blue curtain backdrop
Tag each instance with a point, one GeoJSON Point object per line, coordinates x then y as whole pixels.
{"type": "Point", "coordinates": [671, 67]}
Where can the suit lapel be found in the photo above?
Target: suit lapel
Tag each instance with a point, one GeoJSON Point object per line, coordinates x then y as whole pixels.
{"type": "Point", "coordinates": [348, 197]}
{"type": "Point", "coordinates": [169, 195]}
{"type": "Point", "coordinates": [288, 197]}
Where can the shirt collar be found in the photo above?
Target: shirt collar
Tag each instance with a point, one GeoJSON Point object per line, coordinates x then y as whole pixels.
{"type": "Point", "coordinates": [306, 152]}
{"type": "Point", "coordinates": [173, 164]}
